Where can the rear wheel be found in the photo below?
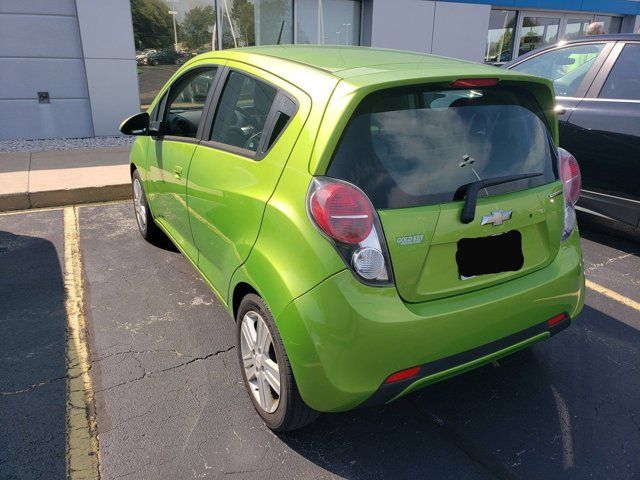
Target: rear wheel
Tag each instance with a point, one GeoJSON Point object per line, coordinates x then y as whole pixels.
{"type": "Point", "coordinates": [266, 370]}
{"type": "Point", "coordinates": [146, 225]}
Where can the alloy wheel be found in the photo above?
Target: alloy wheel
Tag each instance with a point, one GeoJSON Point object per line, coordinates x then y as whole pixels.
{"type": "Point", "coordinates": [259, 361]}
{"type": "Point", "coordinates": [138, 203]}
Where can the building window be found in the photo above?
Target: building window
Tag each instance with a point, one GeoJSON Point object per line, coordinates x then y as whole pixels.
{"type": "Point", "coordinates": [513, 33]}
{"type": "Point", "coordinates": [537, 32]}
{"type": "Point", "coordinates": [502, 25]}
{"type": "Point", "coordinates": [328, 22]}
{"type": "Point", "coordinates": [167, 33]}
{"type": "Point", "coordinates": [610, 24]}
{"type": "Point", "coordinates": [259, 22]}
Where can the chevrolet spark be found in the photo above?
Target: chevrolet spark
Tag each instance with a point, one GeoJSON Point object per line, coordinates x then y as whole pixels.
{"type": "Point", "coordinates": [375, 221]}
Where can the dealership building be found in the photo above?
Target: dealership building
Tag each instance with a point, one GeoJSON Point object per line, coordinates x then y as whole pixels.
{"type": "Point", "coordinates": [68, 67]}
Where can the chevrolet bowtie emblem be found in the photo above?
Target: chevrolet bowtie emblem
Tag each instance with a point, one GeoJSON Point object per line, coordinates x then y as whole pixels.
{"type": "Point", "coordinates": [497, 217]}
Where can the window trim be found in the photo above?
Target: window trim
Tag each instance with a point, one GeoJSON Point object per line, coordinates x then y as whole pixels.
{"type": "Point", "coordinates": [161, 109]}
{"type": "Point", "coordinates": [207, 125]}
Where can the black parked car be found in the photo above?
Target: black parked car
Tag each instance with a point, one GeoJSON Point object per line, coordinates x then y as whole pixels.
{"type": "Point", "coordinates": [165, 56]}
{"type": "Point", "coordinates": [597, 83]}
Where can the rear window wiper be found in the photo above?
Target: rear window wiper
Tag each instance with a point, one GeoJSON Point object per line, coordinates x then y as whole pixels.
{"type": "Point", "coordinates": [470, 192]}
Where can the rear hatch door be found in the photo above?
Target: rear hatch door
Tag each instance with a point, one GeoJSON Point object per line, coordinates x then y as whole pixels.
{"type": "Point", "coordinates": [411, 149]}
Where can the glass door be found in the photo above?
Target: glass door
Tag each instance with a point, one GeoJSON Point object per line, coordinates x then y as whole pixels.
{"type": "Point", "coordinates": [576, 26]}
{"type": "Point", "coordinates": [537, 30]}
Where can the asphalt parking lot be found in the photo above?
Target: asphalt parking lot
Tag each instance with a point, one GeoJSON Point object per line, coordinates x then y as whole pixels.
{"type": "Point", "coordinates": [169, 400]}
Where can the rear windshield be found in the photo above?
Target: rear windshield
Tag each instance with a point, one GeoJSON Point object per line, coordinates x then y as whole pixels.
{"type": "Point", "coordinates": [415, 147]}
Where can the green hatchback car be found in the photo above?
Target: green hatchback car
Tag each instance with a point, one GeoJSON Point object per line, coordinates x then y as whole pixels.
{"type": "Point", "coordinates": [375, 221]}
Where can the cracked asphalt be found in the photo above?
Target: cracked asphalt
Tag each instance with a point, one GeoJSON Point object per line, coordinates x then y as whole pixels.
{"type": "Point", "coordinates": [170, 403]}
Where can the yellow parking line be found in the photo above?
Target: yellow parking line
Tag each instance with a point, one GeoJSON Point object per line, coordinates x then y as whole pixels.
{"type": "Point", "coordinates": [82, 441]}
{"type": "Point", "coordinates": [613, 295]}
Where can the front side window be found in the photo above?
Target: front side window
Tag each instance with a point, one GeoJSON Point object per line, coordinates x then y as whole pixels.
{"type": "Point", "coordinates": [417, 147]}
{"type": "Point", "coordinates": [185, 104]}
{"type": "Point", "coordinates": [500, 36]}
{"type": "Point", "coordinates": [242, 111]}
{"type": "Point", "coordinates": [624, 80]}
{"type": "Point", "coordinates": [566, 67]}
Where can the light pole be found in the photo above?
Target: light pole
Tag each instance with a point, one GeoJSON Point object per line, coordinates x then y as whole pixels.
{"type": "Point", "coordinates": [173, 13]}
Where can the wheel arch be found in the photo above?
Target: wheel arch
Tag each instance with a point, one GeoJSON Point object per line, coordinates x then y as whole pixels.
{"type": "Point", "coordinates": [241, 290]}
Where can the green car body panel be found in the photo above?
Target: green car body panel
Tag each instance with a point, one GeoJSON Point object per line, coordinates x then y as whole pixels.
{"type": "Point", "coordinates": [244, 225]}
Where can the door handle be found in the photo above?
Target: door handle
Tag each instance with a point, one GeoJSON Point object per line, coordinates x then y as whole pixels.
{"type": "Point", "coordinates": [560, 110]}
{"type": "Point", "coordinates": [177, 172]}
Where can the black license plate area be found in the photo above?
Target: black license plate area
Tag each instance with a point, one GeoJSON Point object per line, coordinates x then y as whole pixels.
{"type": "Point", "coordinates": [494, 254]}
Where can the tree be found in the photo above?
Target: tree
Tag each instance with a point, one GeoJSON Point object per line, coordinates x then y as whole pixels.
{"type": "Point", "coordinates": [242, 15]}
{"type": "Point", "coordinates": [152, 24]}
{"type": "Point", "coordinates": [197, 26]}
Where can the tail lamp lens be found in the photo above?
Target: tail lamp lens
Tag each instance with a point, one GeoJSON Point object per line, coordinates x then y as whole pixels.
{"type": "Point", "coordinates": [345, 215]}
{"type": "Point", "coordinates": [571, 184]}
{"type": "Point", "coordinates": [343, 212]}
{"type": "Point", "coordinates": [570, 176]}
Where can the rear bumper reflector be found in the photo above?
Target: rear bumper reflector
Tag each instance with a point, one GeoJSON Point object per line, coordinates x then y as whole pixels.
{"type": "Point", "coordinates": [397, 382]}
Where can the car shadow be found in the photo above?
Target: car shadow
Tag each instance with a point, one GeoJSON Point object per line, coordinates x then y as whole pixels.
{"type": "Point", "coordinates": [565, 408]}
{"type": "Point", "coordinates": [611, 233]}
{"type": "Point", "coordinates": [33, 373]}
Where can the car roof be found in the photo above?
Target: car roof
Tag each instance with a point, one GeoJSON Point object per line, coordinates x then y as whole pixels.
{"type": "Point", "coordinates": [335, 59]}
{"type": "Point", "coordinates": [339, 61]}
{"type": "Point", "coordinates": [599, 38]}
{"type": "Point", "coordinates": [359, 66]}
{"type": "Point", "coordinates": [619, 37]}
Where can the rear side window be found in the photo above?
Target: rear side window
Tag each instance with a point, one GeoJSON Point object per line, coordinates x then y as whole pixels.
{"type": "Point", "coordinates": [624, 80]}
{"type": "Point", "coordinates": [242, 112]}
{"type": "Point", "coordinates": [408, 148]}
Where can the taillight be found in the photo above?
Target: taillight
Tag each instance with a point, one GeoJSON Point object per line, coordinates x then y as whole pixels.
{"type": "Point", "coordinates": [571, 184]}
{"type": "Point", "coordinates": [570, 176]}
{"type": "Point", "coordinates": [344, 214]}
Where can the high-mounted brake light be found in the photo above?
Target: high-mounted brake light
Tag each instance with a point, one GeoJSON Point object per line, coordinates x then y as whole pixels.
{"type": "Point", "coordinates": [403, 375]}
{"type": "Point", "coordinates": [344, 214]}
{"type": "Point", "coordinates": [474, 82]}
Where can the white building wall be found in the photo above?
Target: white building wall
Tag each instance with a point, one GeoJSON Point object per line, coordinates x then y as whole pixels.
{"type": "Point", "coordinates": [443, 28]}
{"type": "Point", "coordinates": [403, 24]}
{"type": "Point", "coordinates": [40, 52]}
{"type": "Point", "coordinates": [109, 57]}
{"type": "Point", "coordinates": [460, 30]}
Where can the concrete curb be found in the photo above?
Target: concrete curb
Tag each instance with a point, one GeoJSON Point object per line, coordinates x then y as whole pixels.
{"type": "Point", "coordinates": [63, 177]}
{"type": "Point", "coordinates": [59, 198]}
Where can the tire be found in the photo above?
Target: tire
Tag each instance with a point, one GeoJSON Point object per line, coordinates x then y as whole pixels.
{"type": "Point", "coordinates": [290, 412]}
{"type": "Point", "coordinates": [146, 225]}
{"type": "Point", "coordinates": [155, 63]}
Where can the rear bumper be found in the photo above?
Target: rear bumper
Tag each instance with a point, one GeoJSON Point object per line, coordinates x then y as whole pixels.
{"type": "Point", "coordinates": [344, 339]}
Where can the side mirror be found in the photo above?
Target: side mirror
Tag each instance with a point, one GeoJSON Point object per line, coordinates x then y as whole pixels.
{"type": "Point", "coordinates": [137, 124]}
